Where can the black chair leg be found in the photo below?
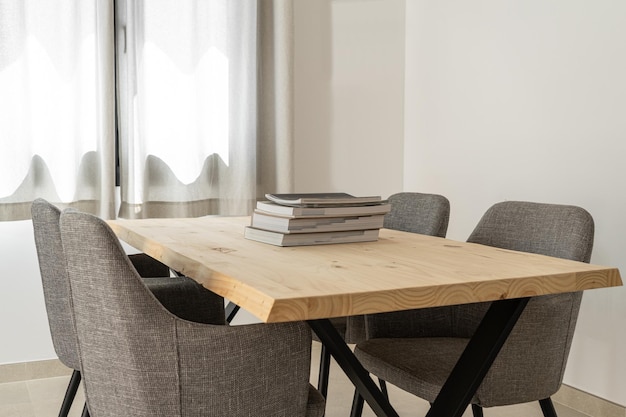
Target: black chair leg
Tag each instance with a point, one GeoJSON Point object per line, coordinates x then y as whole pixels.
{"type": "Point", "coordinates": [85, 411]}
{"type": "Point", "coordinates": [547, 407]}
{"type": "Point", "coordinates": [357, 405]}
{"type": "Point", "coordinates": [358, 402]}
{"type": "Point", "coordinates": [322, 378]}
{"type": "Point", "coordinates": [383, 388]}
{"type": "Point", "coordinates": [70, 393]}
{"type": "Point", "coordinates": [477, 410]}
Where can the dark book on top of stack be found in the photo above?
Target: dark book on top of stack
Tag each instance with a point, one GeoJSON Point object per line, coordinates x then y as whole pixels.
{"type": "Point", "coordinates": [323, 200]}
{"type": "Point", "coordinates": [315, 219]}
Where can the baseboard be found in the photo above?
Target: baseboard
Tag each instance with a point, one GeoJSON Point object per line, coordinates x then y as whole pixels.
{"type": "Point", "coordinates": [23, 371]}
{"type": "Point", "coordinates": [587, 403]}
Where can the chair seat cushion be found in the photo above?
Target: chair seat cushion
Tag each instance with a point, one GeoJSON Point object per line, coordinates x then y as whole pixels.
{"type": "Point", "coordinates": [187, 299]}
{"type": "Point", "coordinates": [147, 266]}
{"type": "Point", "coordinates": [417, 365]}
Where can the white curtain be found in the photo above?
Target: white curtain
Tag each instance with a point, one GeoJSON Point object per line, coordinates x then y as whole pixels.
{"type": "Point", "coordinates": [205, 93]}
{"type": "Point", "coordinates": [56, 106]}
{"type": "Point", "coordinates": [204, 89]}
{"type": "Point", "coordinates": [276, 119]}
{"type": "Point", "coordinates": [188, 106]}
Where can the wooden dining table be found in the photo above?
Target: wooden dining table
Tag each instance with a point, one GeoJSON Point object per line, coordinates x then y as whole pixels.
{"type": "Point", "coordinates": [400, 271]}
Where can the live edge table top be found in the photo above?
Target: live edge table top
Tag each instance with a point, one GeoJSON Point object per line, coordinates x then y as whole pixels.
{"type": "Point", "coordinates": [399, 271]}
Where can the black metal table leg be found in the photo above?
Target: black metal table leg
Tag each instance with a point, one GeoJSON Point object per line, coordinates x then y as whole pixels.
{"type": "Point", "coordinates": [357, 405]}
{"type": "Point", "coordinates": [353, 369]}
{"type": "Point", "coordinates": [474, 363]}
{"type": "Point", "coordinates": [231, 310]}
{"type": "Point", "coordinates": [547, 407]}
{"type": "Point", "coordinates": [324, 372]}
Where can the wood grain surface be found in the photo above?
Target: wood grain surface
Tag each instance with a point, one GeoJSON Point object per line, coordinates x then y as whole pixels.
{"type": "Point", "coordinates": [400, 271]}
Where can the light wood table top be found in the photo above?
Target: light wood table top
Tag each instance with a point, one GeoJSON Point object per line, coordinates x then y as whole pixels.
{"type": "Point", "coordinates": [400, 271]}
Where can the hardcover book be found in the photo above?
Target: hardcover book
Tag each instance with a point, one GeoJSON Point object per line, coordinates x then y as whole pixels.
{"type": "Point", "coordinates": [264, 221]}
{"type": "Point", "coordinates": [269, 207]}
{"type": "Point", "coordinates": [305, 239]}
{"type": "Point", "coordinates": [323, 200]}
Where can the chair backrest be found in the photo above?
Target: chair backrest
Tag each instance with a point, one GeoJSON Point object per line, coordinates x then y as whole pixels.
{"type": "Point", "coordinates": [531, 364]}
{"type": "Point", "coordinates": [426, 214]}
{"type": "Point", "coordinates": [139, 359]}
{"type": "Point", "coordinates": [555, 230]}
{"type": "Point", "coordinates": [45, 218]}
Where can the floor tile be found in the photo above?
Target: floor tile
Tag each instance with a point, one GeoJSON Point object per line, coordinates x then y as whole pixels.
{"type": "Point", "coordinates": [47, 396]}
{"type": "Point", "coordinates": [47, 389]}
{"type": "Point", "coordinates": [16, 410]}
{"type": "Point", "coordinates": [13, 393]}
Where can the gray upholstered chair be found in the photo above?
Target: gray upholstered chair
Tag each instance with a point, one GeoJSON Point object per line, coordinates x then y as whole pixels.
{"type": "Point", "coordinates": [181, 295]}
{"type": "Point", "coordinates": [139, 359]}
{"type": "Point", "coordinates": [426, 214]}
{"type": "Point", "coordinates": [416, 351]}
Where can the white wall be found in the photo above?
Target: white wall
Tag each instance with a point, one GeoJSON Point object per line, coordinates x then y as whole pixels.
{"type": "Point", "coordinates": [526, 100]}
{"type": "Point", "coordinates": [349, 89]}
{"type": "Point", "coordinates": [23, 323]}
{"type": "Point", "coordinates": [503, 99]}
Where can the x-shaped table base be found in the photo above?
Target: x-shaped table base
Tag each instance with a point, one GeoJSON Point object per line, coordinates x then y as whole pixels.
{"type": "Point", "coordinates": [466, 376]}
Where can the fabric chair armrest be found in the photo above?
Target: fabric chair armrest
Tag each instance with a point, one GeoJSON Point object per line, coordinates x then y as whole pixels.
{"type": "Point", "coordinates": [212, 368]}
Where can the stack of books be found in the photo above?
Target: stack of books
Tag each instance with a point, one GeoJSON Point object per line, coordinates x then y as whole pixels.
{"type": "Point", "coordinates": [316, 219]}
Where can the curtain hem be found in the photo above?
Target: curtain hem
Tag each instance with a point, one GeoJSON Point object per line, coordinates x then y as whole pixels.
{"type": "Point", "coordinates": [174, 209]}
{"type": "Point", "coordinates": [21, 210]}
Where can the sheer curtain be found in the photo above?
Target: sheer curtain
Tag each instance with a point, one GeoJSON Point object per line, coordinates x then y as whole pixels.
{"type": "Point", "coordinates": [56, 107]}
{"type": "Point", "coordinates": [189, 94]}
{"type": "Point", "coordinates": [276, 119]}
{"type": "Point", "coordinates": [204, 90]}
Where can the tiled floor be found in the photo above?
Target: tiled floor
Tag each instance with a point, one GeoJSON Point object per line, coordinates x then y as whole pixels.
{"type": "Point", "coordinates": [42, 398]}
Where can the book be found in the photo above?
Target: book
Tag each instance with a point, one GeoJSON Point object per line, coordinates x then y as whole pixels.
{"type": "Point", "coordinates": [338, 211]}
{"type": "Point", "coordinates": [323, 200]}
{"type": "Point", "coordinates": [305, 239]}
{"type": "Point", "coordinates": [264, 221]}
